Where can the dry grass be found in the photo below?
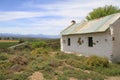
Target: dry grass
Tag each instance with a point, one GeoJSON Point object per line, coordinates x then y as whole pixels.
{"type": "Point", "coordinates": [113, 78]}
{"type": "Point", "coordinates": [9, 41]}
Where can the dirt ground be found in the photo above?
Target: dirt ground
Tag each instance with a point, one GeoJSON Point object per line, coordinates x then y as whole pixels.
{"type": "Point", "coordinates": [36, 76]}
{"type": "Point", "coordinates": [113, 78]}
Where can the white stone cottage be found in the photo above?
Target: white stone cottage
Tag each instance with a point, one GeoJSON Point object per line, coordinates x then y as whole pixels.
{"type": "Point", "coordinates": [99, 37]}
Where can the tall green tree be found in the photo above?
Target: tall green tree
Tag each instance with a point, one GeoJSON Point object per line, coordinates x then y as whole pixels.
{"type": "Point", "coordinates": [102, 11]}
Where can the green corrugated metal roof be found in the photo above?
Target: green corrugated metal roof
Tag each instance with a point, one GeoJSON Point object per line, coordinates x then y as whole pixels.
{"type": "Point", "coordinates": [97, 25]}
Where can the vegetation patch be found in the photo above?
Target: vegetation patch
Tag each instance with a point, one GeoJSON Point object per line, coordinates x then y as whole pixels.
{"type": "Point", "coordinates": [95, 61]}
{"type": "Point", "coordinates": [5, 45]}
{"type": "Point", "coordinates": [20, 63]}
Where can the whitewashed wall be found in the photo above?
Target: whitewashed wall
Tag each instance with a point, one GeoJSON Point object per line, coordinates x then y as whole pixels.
{"type": "Point", "coordinates": [116, 42]}
{"type": "Point", "coordinates": [102, 46]}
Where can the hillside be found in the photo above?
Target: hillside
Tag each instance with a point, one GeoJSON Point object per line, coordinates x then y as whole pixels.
{"type": "Point", "coordinates": [42, 60]}
{"type": "Point", "coordinates": [29, 35]}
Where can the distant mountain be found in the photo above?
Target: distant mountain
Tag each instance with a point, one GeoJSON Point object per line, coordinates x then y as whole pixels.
{"type": "Point", "coordinates": [28, 35]}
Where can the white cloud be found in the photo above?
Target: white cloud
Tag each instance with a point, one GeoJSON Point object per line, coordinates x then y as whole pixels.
{"type": "Point", "coordinates": [9, 15]}
{"type": "Point", "coordinates": [68, 10]}
{"type": "Point", "coordinates": [74, 8]}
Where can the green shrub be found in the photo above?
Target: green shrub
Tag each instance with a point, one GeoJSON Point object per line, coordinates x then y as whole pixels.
{"type": "Point", "coordinates": [54, 44]}
{"type": "Point", "coordinates": [61, 55]}
{"type": "Point", "coordinates": [21, 41]}
{"type": "Point", "coordinates": [39, 44]}
{"type": "Point", "coordinates": [39, 51]}
{"type": "Point", "coordinates": [78, 74]}
{"type": "Point", "coordinates": [4, 65]}
{"type": "Point", "coordinates": [113, 70]}
{"type": "Point", "coordinates": [95, 61]}
{"type": "Point", "coordinates": [62, 77]}
{"type": "Point", "coordinates": [48, 72]}
{"type": "Point", "coordinates": [35, 65]}
{"type": "Point", "coordinates": [73, 62]}
{"type": "Point", "coordinates": [17, 68]}
{"type": "Point", "coordinates": [48, 69]}
{"type": "Point", "coordinates": [19, 60]}
{"type": "Point", "coordinates": [4, 56]}
{"type": "Point", "coordinates": [21, 76]}
{"type": "Point", "coordinates": [2, 77]}
{"type": "Point", "coordinates": [55, 63]}
{"type": "Point", "coordinates": [74, 73]}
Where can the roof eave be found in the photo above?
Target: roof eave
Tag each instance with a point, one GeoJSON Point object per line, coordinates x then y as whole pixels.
{"type": "Point", "coordinates": [84, 33]}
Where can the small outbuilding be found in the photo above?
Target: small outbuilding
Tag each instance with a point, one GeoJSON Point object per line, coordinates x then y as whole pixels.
{"type": "Point", "coordinates": [99, 37]}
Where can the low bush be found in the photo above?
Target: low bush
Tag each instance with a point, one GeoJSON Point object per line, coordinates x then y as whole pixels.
{"type": "Point", "coordinates": [21, 41]}
{"type": "Point", "coordinates": [2, 77]}
{"type": "Point", "coordinates": [40, 44]}
{"type": "Point", "coordinates": [113, 70]}
{"type": "Point", "coordinates": [61, 55]}
{"type": "Point", "coordinates": [17, 68]}
{"type": "Point", "coordinates": [95, 61]}
{"type": "Point", "coordinates": [35, 65]}
{"type": "Point", "coordinates": [48, 71]}
{"type": "Point", "coordinates": [62, 77]}
{"type": "Point", "coordinates": [39, 51]}
{"type": "Point", "coordinates": [73, 62]}
{"type": "Point", "coordinates": [4, 56]}
{"type": "Point", "coordinates": [21, 76]}
{"type": "Point", "coordinates": [55, 63]}
{"type": "Point", "coordinates": [78, 74]}
{"type": "Point", "coordinates": [4, 65]}
{"type": "Point", "coordinates": [54, 44]}
{"type": "Point", "coordinates": [19, 60]}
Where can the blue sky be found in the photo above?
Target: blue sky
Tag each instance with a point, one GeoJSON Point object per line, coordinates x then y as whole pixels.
{"type": "Point", "coordinates": [45, 16]}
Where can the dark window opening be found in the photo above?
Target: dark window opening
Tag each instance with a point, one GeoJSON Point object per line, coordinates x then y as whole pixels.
{"type": "Point", "coordinates": [68, 41]}
{"type": "Point", "coordinates": [79, 41]}
{"type": "Point", "coordinates": [113, 38]}
{"type": "Point", "coordinates": [90, 41]}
